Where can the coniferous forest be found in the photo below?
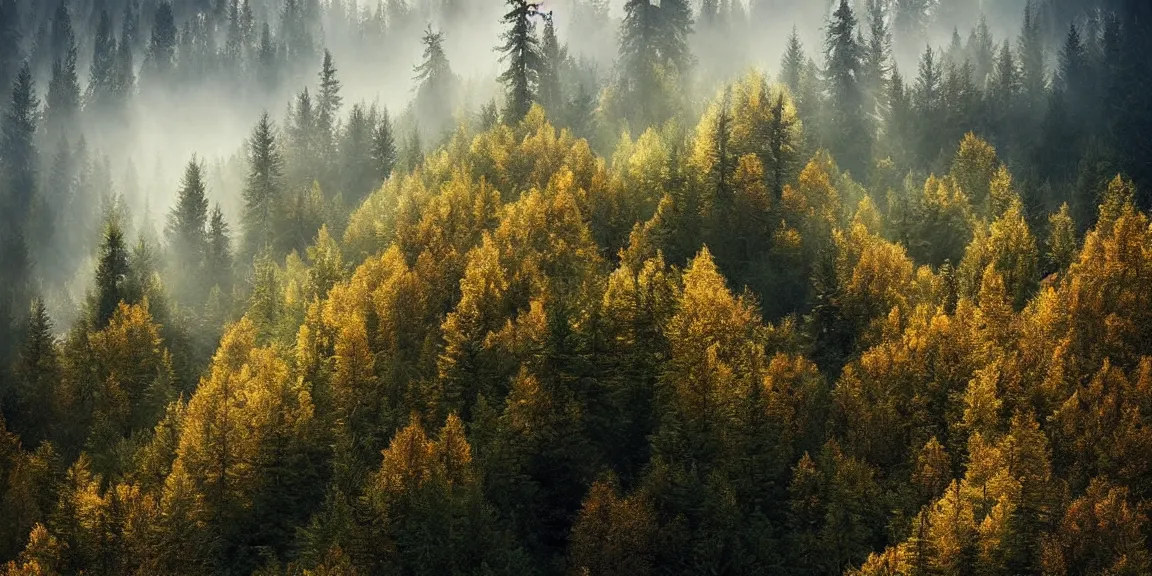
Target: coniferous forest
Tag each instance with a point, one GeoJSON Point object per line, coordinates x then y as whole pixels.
{"type": "Point", "coordinates": [576, 287]}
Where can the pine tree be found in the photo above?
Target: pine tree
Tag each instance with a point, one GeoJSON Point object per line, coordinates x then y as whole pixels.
{"type": "Point", "coordinates": [639, 77]}
{"type": "Point", "coordinates": [112, 271]}
{"type": "Point", "coordinates": [18, 156]}
{"type": "Point", "coordinates": [982, 48]}
{"type": "Point", "coordinates": [218, 260]}
{"type": "Point", "coordinates": [849, 140]}
{"type": "Point", "coordinates": [295, 30]}
{"type": "Point", "coordinates": [876, 63]}
{"type": "Point", "coordinates": [185, 232]}
{"type": "Point", "coordinates": [125, 78]}
{"type": "Point", "coordinates": [783, 143]}
{"type": "Point", "coordinates": [792, 62]}
{"type": "Point", "coordinates": [10, 52]}
{"type": "Point", "coordinates": [551, 97]}
{"type": "Point", "coordinates": [722, 159]}
{"type": "Point", "coordinates": [911, 20]}
{"type": "Point", "coordinates": [1004, 97]}
{"type": "Point", "coordinates": [928, 101]}
{"type": "Point", "coordinates": [357, 168]}
{"type": "Point", "coordinates": [302, 146]}
{"type": "Point", "coordinates": [383, 147]}
{"type": "Point", "coordinates": [436, 90]}
{"type": "Point", "coordinates": [269, 61]}
{"type": "Point", "coordinates": [102, 74]}
{"type": "Point", "coordinates": [521, 52]}
{"type": "Point", "coordinates": [1033, 79]}
{"type": "Point", "coordinates": [234, 40]}
{"type": "Point", "coordinates": [63, 99]}
{"type": "Point", "coordinates": [675, 24]}
{"type": "Point", "coordinates": [262, 190]}
{"type": "Point", "coordinates": [1072, 75]}
{"type": "Point", "coordinates": [328, 103]}
{"type": "Point", "coordinates": [37, 374]}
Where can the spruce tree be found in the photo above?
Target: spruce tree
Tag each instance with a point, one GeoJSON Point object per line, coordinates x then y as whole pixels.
{"type": "Point", "coordinates": [233, 40]}
{"type": "Point", "coordinates": [63, 98]}
{"type": "Point", "coordinates": [1033, 79]}
{"type": "Point", "coordinates": [551, 97]}
{"type": "Point", "coordinates": [112, 276]}
{"type": "Point", "coordinates": [638, 79]}
{"type": "Point", "coordinates": [125, 78]}
{"type": "Point", "coordinates": [218, 256]}
{"type": "Point", "coordinates": [849, 138]}
{"type": "Point", "coordinates": [675, 27]}
{"type": "Point", "coordinates": [654, 60]}
{"type": "Point", "coordinates": [723, 165]}
{"type": "Point", "coordinates": [384, 147]}
{"type": "Point", "coordinates": [1072, 75]}
{"type": "Point", "coordinates": [357, 169]}
{"type": "Point", "coordinates": [185, 232]}
{"type": "Point", "coordinates": [18, 156]}
{"type": "Point", "coordinates": [161, 58]}
{"type": "Point", "coordinates": [792, 62]}
{"type": "Point", "coordinates": [63, 38]}
{"type": "Point", "coordinates": [436, 84]}
{"type": "Point", "coordinates": [37, 374]}
{"type": "Point", "coordinates": [1004, 98]}
{"type": "Point", "coordinates": [262, 190]}
{"type": "Point", "coordinates": [328, 103]}
{"type": "Point", "coordinates": [911, 20]}
{"type": "Point", "coordinates": [302, 146]}
{"type": "Point", "coordinates": [521, 52]}
{"type": "Point", "coordinates": [269, 61]}
{"type": "Point", "coordinates": [877, 63]}
{"type": "Point", "coordinates": [982, 49]}
{"type": "Point", "coordinates": [102, 74]}
{"type": "Point", "coordinates": [9, 42]}
{"type": "Point", "coordinates": [928, 101]}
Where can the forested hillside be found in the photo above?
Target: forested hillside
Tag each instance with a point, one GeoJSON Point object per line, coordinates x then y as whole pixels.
{"type": "Point", "coordinates": [586, 290]}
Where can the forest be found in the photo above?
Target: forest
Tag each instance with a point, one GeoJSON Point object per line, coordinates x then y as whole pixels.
{"type": "Point", "coordinates": [575, 287]}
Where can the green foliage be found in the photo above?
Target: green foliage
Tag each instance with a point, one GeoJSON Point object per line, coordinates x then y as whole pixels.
{"type": "Point", "coordinates": [500, 348]}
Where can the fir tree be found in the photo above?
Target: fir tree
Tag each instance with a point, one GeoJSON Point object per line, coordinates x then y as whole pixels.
{"type": "Point", "coordinates": [112, 276]}
{"type": "Point", "coordinates": [911, 19]}
{"type": "Point", "coordinates": [1004, 97]}
{"type": "Point", "coordinates": [1033, 79]}
{"type": "Point", "coordinates": [849, 140]}
{"type": "Point", "coordinates": [29, 409]}
{"type": "Point", "coordinates": [18, 156]}
{"type": "Point", "coordinates": [638, 80]}
{"type": "Point", "coordinates": [218, 257]}
{"type": "Point", "coordinates": [1072, 75]}
{"type": "Point", "coordinates": [125, 77]}
{"type": "Point", "coordinates": [521, 52]}
{"type": "Point", "coordinates": [10, 53]}
{"type": "Point", "coordinates": [268, 60]}
{"type": "Point", "coordinates": [928, 101]}
{"type": "Point", "coordinates": [185, 232]}
{"type": "Point", "coordinates": [63, 99]}
{"type": "Point", "coordinates": [792, 62]}
{"type": "Point", "coordinates": [436, 84]}
{"type": "Point", "coordinates": [675, 27]}
{"type": "Point", "coordinates": [102, 74]}
{"type": "Point", "coordinates": [982, 49]}
{"type": "Point", "coordinates": [384, 147]}
{"type": "Point", "coordinates": [262, 190]}
{"type": "Point", "coordinates": [357, 169]}
{"type": "Point", "coordinates": [551, 97]}
{"type": "Point", "coordinates": [328, 103]}
{"type": "Point", "coordinates": [876, 63]}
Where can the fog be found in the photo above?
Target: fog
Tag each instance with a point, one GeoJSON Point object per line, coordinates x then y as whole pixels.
{"type": "Point", "coordinates": [223, 72]}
